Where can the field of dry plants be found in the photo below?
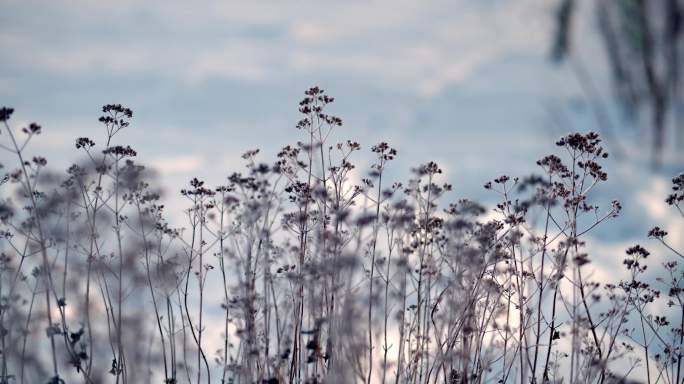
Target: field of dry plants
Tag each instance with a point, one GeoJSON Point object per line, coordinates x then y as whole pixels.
{"type": "Point", "coordinates": [319, 279]}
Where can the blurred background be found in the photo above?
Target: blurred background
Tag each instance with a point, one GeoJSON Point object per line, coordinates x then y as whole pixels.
{"type": "Point", "coordinates": [483, 87]}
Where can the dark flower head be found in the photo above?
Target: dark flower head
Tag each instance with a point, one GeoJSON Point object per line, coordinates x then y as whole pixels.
{"type": "Point", "coordinates": [638, 250]}
{"type": "Point", "coordinates": [431, 168]}
{"type": "Point", "coordinates": [553, 165]}
{"type": "Point", "coordinates": [314, 91]}
{"type": "Point", "coordinates": [657, 233]}
{"type": "Point", "coordinates": [39, 161]}
{"type": "Point", "coordinates": [617, 207]}
{"type": "Point", "coordinates": [84, 142]}
{"type": "Point", "coordinates": [588, 143]}
{"type": "Point", "coordinates": [5, 113]}
{"type": "Point", "coordinates": [117, 109]}
{"type": "Point", "coordinates": [250, 154]}
{"type": "Point", "coordinates": [116, 118]}
{"type": "Point", "coordinates": [198, 189]}
{"type": "Point", "coordinates": [678, 191]}
{"type": "Point", "coordinates": [32, 129]}
{"type": "Point", "coordinates": [120, 151]}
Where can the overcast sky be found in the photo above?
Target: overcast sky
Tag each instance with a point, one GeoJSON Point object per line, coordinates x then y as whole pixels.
{"type": "Point", "coordinates": [209, 81]}
{"type": "Point", "coordinates": [466, 83]}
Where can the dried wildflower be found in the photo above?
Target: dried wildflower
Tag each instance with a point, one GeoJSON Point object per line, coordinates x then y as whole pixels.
{"type": "Point", "coordinates": [5, 113]}
{"type": "Point", "coordinates": [32, 129]}
{"type": "Point", "coordinates": [657, 232]}
{"type": "Point", "coordinates": [116, 118]}
{"type": "Point", "coordinates": [198, 189]}
{"type": "Point", "coordinates": [120, 151]}
{"type": "Point", "coordinates": [117, 109]}
{"type": "Point", "coordinates": [429, 169]}
{"type": "Point", "coordinates": [250, 154]}
{"type": "Point", "coordinates": [84, 142]}
{"type": "Point", "coordinates": [617, 207]}
{"type": "Point", "coordinates": [638, 250]}
{"type": "Point", "coordinates": [407, 264]}
{"type": "Point", "coordinates": [677, 196]}
{"type": "Point", "coordinates": [39, 161]}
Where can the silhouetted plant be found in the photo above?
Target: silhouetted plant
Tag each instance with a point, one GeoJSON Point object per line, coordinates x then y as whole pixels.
{"type": "Point", "coordinates": [319, 279]}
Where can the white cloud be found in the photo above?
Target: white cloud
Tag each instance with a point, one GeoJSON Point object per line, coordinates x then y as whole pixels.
{"type": "Point", "coordinates": [652, 200]}
{"type": "Point", "coordinates": [177, 164]}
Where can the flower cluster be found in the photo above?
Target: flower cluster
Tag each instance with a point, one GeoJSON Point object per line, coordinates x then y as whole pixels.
{"type": "Point", "coordinates": [32, 129]}
{"type": "Point", "coordinates": [116, 118]}
{"type": "Point", "coordinates": [313, 106]}
{"type": "Point", "coordinates": [198, 189]}
{"type": "Point", "coordinates": [119, 151]}
{"type": "Point", "coordinates": [84, 142]}
{"type": "Point", "coordinates": [677, 195]}
{"type": "Point", "coordinates": [5, 113]}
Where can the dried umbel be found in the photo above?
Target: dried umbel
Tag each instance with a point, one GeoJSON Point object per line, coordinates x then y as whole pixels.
{"type": "Point", "coordinates": [289, 272]}
{"type": "Point", "coordinates": [677, 196]}
{"type": "Point", "coordinates": [5, 113]}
